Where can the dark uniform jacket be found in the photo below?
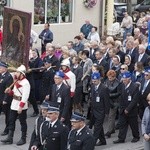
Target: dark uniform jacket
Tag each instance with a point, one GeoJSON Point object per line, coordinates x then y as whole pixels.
{"type": "Point", "coordinates": [84, 140]}
{"type": "Point", "coordinates": [100, 101]}
{"type": "Point", "coordinates": [62, 97]}
{"type": "Point", "coordinates": [5, 81]}
{"type": "Point", "coordinates": [54, 137]}
{"type": "Point", "coordinates": [129, 99]}
{"type": "Point", "coordinates": [35, 137]}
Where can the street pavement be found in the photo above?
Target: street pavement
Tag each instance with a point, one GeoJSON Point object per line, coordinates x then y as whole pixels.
{"type": "Point", "coordinates": [110, 146]}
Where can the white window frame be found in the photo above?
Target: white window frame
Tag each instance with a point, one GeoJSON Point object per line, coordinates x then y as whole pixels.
{"type": "Point", "coordinates": [59, 21]}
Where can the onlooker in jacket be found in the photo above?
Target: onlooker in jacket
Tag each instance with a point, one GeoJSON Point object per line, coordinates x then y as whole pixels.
{"type": "Point", "coordinates": [146, 125]}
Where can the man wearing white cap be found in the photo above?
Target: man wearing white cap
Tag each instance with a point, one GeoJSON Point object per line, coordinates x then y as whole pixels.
{"type": "Point", "coordinates": [19, 105]}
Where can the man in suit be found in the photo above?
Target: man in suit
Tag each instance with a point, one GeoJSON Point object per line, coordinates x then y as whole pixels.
{"type": "Point", "coordinates": [100, 107]}
{"type": "Point", "coordinates": [131, 50]}
{"type": "Point", "coordinates": [61, 95]}
{"type": "Point", "coordinates": [144, 91]}
{"type": "Point", "coordinates": [50, 51]}
{"type": "Point", "coordinates": [80, 137]}
{"type": "Point", "coordinates": [142, 56]}
{"type": "Point", "coordinates": [5, 100]}
{"type": "Point", "coordinates": [38, 122]}
{"type": "Point", "coordinates": [128, 109]}
{"type": "Point", "coordinates": [53, 134]}
{"type": "Point", "coordinates": [101, 61]}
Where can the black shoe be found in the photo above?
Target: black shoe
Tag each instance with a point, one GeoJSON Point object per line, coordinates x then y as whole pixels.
{"type": "Point", "coordinates": [34, 114]}
{"type": "Point", "coordinates": [113, 131]}
{"type": "Point", "coordinates": [118, 141]}
{"type": "Point", "coordinates": [9, 139]}
{"type": "Point", "coordinates": [108, 134]}
{"type": "Point", "coordinates": [21, 142]}
{"type": "Point", "coordinates": [4, 133]}
{"type": "Point", "coordinates": [100, 143]}
{"type": "Point", "coordinates": [134, 140]}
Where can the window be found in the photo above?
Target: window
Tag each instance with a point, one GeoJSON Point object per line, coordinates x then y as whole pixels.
{"type": "Point", "coordinates": [2, 4]}
{"type": "Point", "coordinates": [53, 11]}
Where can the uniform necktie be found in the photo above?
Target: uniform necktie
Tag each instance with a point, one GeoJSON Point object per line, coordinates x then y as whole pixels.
{"type": "Point", "coordinates": [95, 88]}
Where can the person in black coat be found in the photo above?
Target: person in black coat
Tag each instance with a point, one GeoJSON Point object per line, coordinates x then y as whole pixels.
{"type": "Point", "coordinates": [38, 122]}
{"type": "Point", "coordinates": [53, 134]}
{"type": "Point", "coordinates": [32, 99]}
{"type": "Point", "coordinates": [5, 100]}
{"type": "Point", "coordinates": [47, 80]}
{"type": "Point", "coordinates": [36, 62]}
{"type": "Point", "coordinates": [78, 71]}
{"type": "Point", "coordinates": [60, 94]}
{"type": "Point", "coordinates": [100, 107]}
{"type": "Point", "coordinates": [80, 137]}
{"type": "Point", "coordinates": [128, 109]}
{"type": "Point", "coordinates": [144, 91]}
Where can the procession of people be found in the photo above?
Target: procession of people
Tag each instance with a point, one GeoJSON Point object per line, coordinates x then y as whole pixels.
{"type": "Point", "coordinates": [110, 76]}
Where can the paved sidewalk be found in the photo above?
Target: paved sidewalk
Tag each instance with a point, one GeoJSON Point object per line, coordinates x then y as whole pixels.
{"type": "Point", "coordinates": [110, 146]}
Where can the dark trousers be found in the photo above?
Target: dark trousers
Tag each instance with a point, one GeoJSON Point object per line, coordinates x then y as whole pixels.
{"type": "Point", "coordinates": [22, 118]}
{"type": "Point", "coordinates": [126, 120]}
{"type": "Point", "coordinates": [6, 110]}
{"type": "Point", "coordinates": [32, 100]}
{"type": "Point", "coordinates": [43, 49]}
{"type": "Point", "coordinates": [37, 89]}
{"type": "Point", "coordinates": [98, 129]}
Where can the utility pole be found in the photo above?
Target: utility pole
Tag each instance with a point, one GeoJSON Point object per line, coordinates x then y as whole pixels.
{"type": "Point", "coordinates": [129, 7]}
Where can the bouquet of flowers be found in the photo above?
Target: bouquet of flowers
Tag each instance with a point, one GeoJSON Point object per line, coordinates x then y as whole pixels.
{"type": "Point", "coordinates": [89, 3]}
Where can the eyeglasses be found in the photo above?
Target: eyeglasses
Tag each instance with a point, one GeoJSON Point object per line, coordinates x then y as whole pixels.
{"type": "Point", "coordinates": [146, 74]}
{"type": "Point", "coordinates": [123, 68]}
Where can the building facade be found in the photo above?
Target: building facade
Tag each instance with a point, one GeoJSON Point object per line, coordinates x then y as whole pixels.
{"type": "Point", "coordinates": [65, 16]}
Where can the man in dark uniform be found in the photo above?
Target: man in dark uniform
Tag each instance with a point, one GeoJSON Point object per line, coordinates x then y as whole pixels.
{"type": "Point", "coordinates": [128, 109]}
{"type": "Point", "coordinates": [53, 134]}
{"type": "Point", "coordinates": [100, 107]}
{"type": "Point", "coordinates": [80, 137]}
{"type": "Point", "coordinates": [5, 100]}
{"type": "Point", "coordinates": [61, 95]}
{"type": "Point", "coordinates": [38, 122]}
{"type": "Point", "coordinates": [144, 91]}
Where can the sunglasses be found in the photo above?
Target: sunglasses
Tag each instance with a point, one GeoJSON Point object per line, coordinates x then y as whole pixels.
{"type": "Point", "coordinates": [123, 68]}
{"type": "Point", "coordinates": [146, 74]}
